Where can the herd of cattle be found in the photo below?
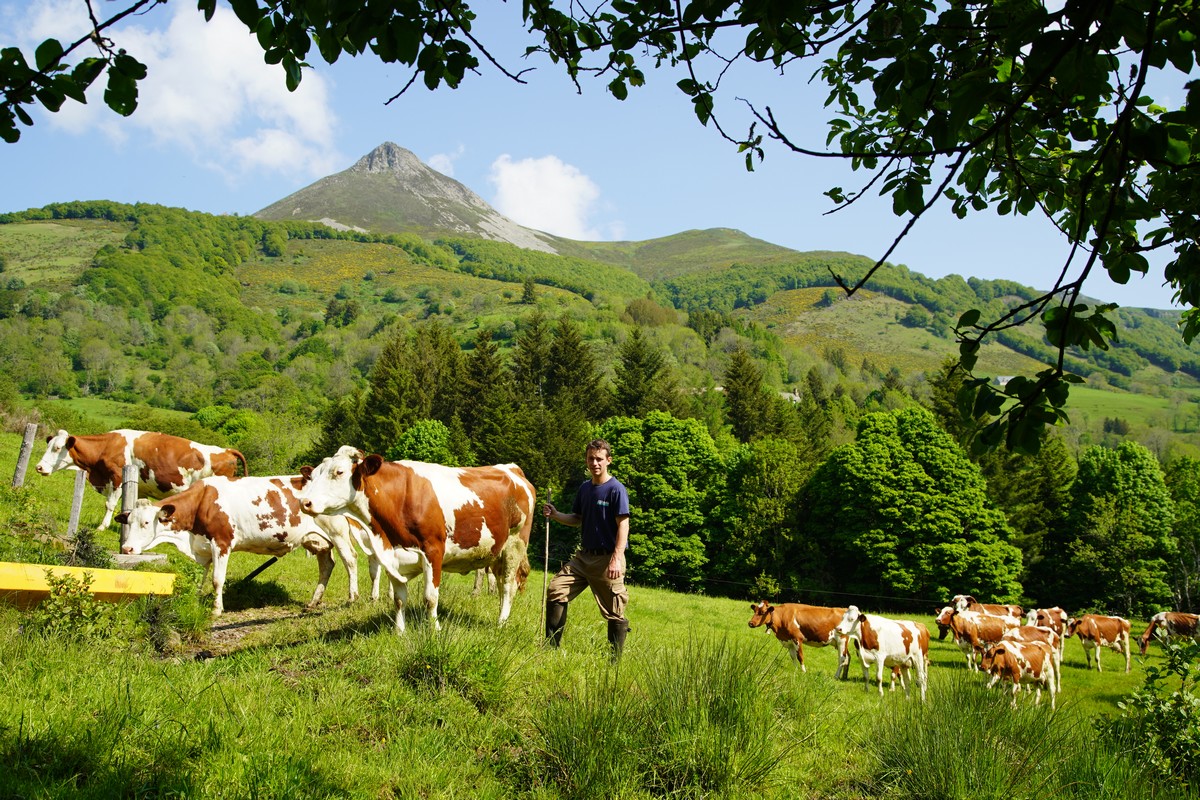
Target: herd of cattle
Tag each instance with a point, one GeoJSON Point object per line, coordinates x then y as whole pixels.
{"type": "Point", "coordinates": [416, 519]}
{"type": "Point", "coordinates": [410, 518]}
{"type": "Point", "coordinates": [999, 640]}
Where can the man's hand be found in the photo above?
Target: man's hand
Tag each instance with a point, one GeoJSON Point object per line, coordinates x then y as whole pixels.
{"type": "Point", "coordinates": [616, 566]}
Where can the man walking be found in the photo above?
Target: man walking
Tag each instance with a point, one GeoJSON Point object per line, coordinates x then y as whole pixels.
{"type": "Point", "coordinates": [601, 510]}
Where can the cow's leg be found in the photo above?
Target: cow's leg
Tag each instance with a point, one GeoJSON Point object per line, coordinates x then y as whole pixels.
{"type": "Point", "coordinates": [376, 571]}
{"type": "Point", "coordinates": [843, 663]}
{"type": "Point", "coordinates": [879, 674]}
{"type": "Point", "coordinates": [1098, 667]}
{"type": "Point", "coordinates": [220, 562]}
{"type": "Point", "coordinates": [1128, 656]}
{"type": "Point", "coordinates": [866, 673]}
{"type": "Point", "coordinates": [798, 647]}
{"type": "Point", "coordinates": [399, 598]}
{"type": "Point", "coordinates": [1016, 688]}
{"type": "Point", "coordinates": [346, 552]}
{"type": "Point", "coordinates": [325, 570]}
{"type": "Point", "coordinates": [433, 580]}
{"type": "Point", "coordinates": [110, 508]}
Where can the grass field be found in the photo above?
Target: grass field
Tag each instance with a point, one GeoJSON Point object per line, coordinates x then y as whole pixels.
{"type": "Point", "coordinates": [273, 701]}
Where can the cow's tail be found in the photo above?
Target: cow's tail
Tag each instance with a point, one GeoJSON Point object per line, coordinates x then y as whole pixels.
{"type": "Point", "coordinates": [238, 455]}
{"type": "Point", "coordinates": [524, 568]}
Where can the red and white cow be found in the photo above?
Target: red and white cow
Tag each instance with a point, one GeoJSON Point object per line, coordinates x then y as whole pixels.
{"type": "Point", "coordinates": [1039, 633]}
{"type": "Point", "coordinates": [965, 602]}
{"type": "Point", "coordinates": [429, 519]}
{"type": "Point", "coordinates": [1096, 631]}
{"type": "Point", "coordinates": [218, 516]}
{"type": "Point", "coordinates": [796, 625]}
{"type": "Point", "coordinates": [973, 631]}
{"type": "Point", "coordinates": [1170, 624]}
{"type": "Point", "coordinates": [1053, 618]}
{"type": "Point", "coordinates": [887, 642]}
{"type": "Point", "coordinates": [1023, 662]}
{"type": "Point", "coordinates": [166, 464]}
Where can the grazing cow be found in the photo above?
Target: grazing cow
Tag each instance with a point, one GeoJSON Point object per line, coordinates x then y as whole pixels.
{"type": "Point", "coordinates": [218, 516]}
{"type": "Point", "coordinates": [973, 631]}
{"type": "Point", "coordinates": [965, 602]}
{"type": "Point", "coordinates": [1053, 618]}
{"type": "Point", "coordinates": [1170, 624]}
{"type": "Point", "coordinates": [887, 642]}
{"type": "Point", "coordinates": [428, 518]}
{"type": "Point", "coordinates": [1038, 633]}
{"type": "Point", "coordinates": [1023, 662]}
{"type": "Point", "coordinates": [166, 464]}
{"type": "Point", "coordinates": [796, 625]}
{"type": "Point", "coordinates": [1096, 631]}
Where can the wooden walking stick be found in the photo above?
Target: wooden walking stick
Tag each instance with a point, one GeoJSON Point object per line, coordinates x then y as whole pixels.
{"type": "Point", "coordinates": [546, 562]}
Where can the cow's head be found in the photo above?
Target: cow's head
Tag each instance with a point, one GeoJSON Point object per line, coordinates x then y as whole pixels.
{"type": "Point", "coordinates": [149, 525]}
{"type": "Point", "coordinates": [331, 486]}
{"type": "Point", "coordinates": [759, 613]}
{"type": "Point", "coordinates": [944, 615]}
{"type": "Point", "coordinates": [58, 453]}
{"type": "Point", "coordinates": [962, 602]}
{"type": "Point", "coordinates": [994, 653]}
{"type": "Point", "coordinates": [850, 622]}
{"type": "Point", "coordinates": [1072, 624]}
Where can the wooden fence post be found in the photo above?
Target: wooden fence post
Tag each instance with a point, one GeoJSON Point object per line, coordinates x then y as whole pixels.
{"type": "Point", "coordinates": [129, 496]}
{"type": "Point", "coordinates": [23, 459]}
{"type": "Point", "coordinates": [76, 503]}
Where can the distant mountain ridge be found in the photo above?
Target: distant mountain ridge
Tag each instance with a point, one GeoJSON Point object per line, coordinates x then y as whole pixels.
{"type": "Point", "coordinates": [390, 190]}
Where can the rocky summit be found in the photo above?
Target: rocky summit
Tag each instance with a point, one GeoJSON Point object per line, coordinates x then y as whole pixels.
{"type": "Point", "coordinates": [390, 190]}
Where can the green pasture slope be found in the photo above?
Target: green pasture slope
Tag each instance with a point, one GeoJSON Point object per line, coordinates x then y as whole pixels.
{"type": "Point", "coordinates": [273, 701]}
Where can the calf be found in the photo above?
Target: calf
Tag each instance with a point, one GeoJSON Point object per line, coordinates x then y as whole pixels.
{"type": "Point", "coordinates": [973, 630]}
{"type": "Point", "coordinates": [1170, 624]}
{"type": "Point", "coordinates": [166, 464]}
{"type": "Point", "coordinates": [428, 518]}
{"type": "Point", "coordinates": [887, 642]}
{"type": "Point", "coordinates": [218, 516]}
{"type": "Point", "coordinates": [1096, 631]}
{"type": "Point", "coordinates": [1037, 633]}
{"type": "Point", "coordinates": [796, 625]}
{"type": "Point", "coordinates": [1022, 662]}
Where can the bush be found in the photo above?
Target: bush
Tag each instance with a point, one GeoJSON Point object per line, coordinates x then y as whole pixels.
{"type": "Point", "coordinates": [71, 611]}
{"type": "Point", "coordinates": [1161, 728]}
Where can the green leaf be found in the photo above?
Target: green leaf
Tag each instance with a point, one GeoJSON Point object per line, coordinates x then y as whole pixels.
{"type": "Point", "coordinates": [969, 318]}
{"type": "Point", "coordinates": [47, 54]}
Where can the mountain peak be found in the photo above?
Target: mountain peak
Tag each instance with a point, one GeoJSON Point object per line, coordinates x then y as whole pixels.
{"type": "Point", "coordinates": [390, 190]}
{"type": "Point", "coordinates": [390, 157]}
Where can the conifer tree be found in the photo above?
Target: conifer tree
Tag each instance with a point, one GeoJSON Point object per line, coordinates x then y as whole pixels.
{"type": "Point", "coordinates": [747, 404]}
{"type": "Point", "coordinates": [643, 379]}
{"type": "Point", "coordinates": [488, 410]}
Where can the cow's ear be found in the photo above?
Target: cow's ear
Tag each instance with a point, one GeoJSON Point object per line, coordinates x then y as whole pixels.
{"type": "Point", "coordinates": [165, 512]}
{"type": "Point", "coordinates": [754, 607]}
{"type": "Point", "coordinates": [70, 442]}
{"type": "Point", "coordinates": [357, 456]}
{"type": "Point", "coordinates": [122, 518]}
{"type": "Point", "coordinates": [306, 471]}
{"type": "Point", "coordinates": [371, 464]}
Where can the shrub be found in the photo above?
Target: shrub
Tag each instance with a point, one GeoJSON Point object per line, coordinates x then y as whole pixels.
{"type": "Point", "coordinates": [71, 611]}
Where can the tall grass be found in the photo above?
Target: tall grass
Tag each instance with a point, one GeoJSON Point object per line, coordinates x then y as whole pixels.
{"type": "Point", "coordinates": [971, 743]}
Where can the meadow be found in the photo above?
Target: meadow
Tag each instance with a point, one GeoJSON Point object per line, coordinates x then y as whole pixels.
{"type": "Point", "coordinates": [271, 700]}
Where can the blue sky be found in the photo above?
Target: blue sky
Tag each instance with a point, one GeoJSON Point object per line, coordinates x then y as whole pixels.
{"type": "Point", "coordinates": [217, 131]}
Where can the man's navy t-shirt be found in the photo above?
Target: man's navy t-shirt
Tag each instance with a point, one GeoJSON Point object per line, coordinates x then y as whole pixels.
{"type": "Point", "coordinates": [599, 507]}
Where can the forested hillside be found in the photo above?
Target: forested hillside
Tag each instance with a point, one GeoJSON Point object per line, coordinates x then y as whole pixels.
{"type": "Point", "coordinates": [773, 432]}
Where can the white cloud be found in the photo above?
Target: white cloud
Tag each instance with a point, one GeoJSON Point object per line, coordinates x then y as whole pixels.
{"type": "Point", "coordinates": [444, 162]}
{"type": "Point", "coordinates": [547, 194]}
{"type": "Point", "coordinates": [208, 92]}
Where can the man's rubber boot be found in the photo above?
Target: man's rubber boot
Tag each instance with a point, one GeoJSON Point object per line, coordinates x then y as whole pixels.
{"type": "Point", "coordinates": [556, 620]}
{"type": "Point", "coordinates": [617, 630]}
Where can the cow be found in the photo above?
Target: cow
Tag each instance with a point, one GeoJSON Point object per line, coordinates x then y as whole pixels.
{"type": "Point", "coordinates": [1053, 618]}
{"type": "Point", "coordinates": [166, 464]}
{"type": "Point", "coordinates": [1169, 624]}
{"type": "Point", "coordinates": [218, 516]}
{"type": "Point", "coordinates": [973, 631]}
{"type": "Point", "coordinates": [1039, 633]}
{"type": "Point", "coordinates": [887, 642]}
{"type": "Point", "coordinates": [1022, 662]}
{"type": "Point", "coordinates": [429, 519]}
{"type": "Point", "coordinates": [796, 625]}
{"type": "Point", "coordinates": [965, 602]}
{"type": "Point", "coordinates": [1096, 631]}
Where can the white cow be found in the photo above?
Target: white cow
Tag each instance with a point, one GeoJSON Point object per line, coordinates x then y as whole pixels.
{"type": "Point", "coordinates": [218, 516]}
{"type": "Point", "coordinates": [887, 642]}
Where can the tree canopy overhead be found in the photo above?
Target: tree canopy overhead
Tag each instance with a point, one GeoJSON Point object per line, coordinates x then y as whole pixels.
{"type": "Point", "coordinates": [1013, 106]}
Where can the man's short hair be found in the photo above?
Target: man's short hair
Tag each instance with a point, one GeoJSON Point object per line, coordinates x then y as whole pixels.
{"type": "Point", "coordinates": [599, 444]}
